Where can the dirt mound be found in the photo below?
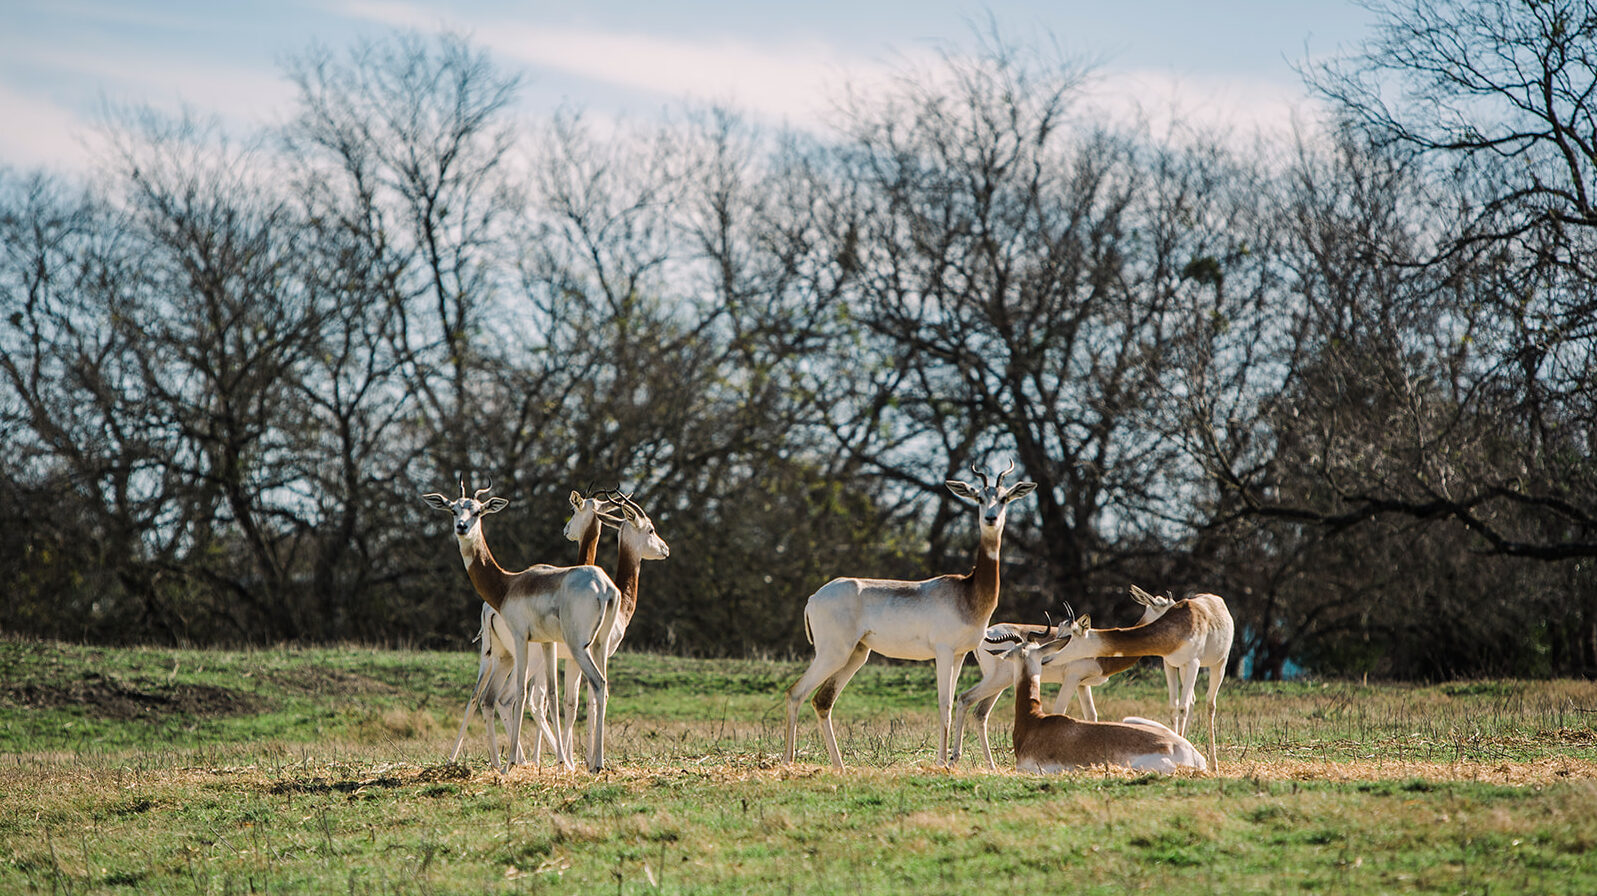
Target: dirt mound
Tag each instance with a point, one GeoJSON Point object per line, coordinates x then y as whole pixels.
{"type": "Point", "coordinates": [119, 700]}
{"type": "Point", "coordinates": [320, 681]}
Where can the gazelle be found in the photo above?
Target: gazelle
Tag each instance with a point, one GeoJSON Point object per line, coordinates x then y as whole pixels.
{"type": "Point", "coordinates": [1047, 743]}
{"type": "Point", "coordinates": [1191, 634]}
{"type": "Point", "coordinates": [1075, 679]}
{"type": "Point", "coordinates": [495, 691]}
{"type": "Point", "coordinates": [495, 664]}
{"type": "Point", "coordinates": [541, 604]}
{"type": "Point", "coordinates": [638, 541]}
{"type": "Point", "coordinates": [939, 619]}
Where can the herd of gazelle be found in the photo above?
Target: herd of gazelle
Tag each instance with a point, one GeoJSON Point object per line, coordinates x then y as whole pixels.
{"type": "Point", "coordinates": [580, 614]}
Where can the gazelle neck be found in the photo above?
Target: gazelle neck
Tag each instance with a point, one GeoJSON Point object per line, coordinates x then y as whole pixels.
{"type": "Point", "coordinates": [627, 569]}
{"type": "Point", "coordinates": [1156, 638]}
{"type": "Point", "coordinates": [487, 576]}
{"type": "Point", "coordinates": [1028, 703]}
{"type": "Point", "coordinates": [588, 546]}
{"type": "Point", "coordinates": [984, 578]}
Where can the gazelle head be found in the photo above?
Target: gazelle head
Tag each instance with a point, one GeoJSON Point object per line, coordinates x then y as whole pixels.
{"type": "Point", "coordinates": [1070, 634]}
{"type": "Point", "coordinates": [637, 530]}
{"type": "Point", "coordinates": [584, 511]}
{"type": "Point", "coordinates": [991, 498]}
{"type": "Point", "coordinates": [1032, 654]}
{"type": "Point", "coordinates": [1153, 605]}
{"type": "Point", "coordinates": [468, 512]}
{"type": "Point", "coordinates": [1156, 602]}
{"type": "Point", "coordinates": [1001, 639]}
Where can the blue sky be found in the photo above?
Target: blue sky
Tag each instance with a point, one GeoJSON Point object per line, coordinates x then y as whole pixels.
{"type": "Point", "coordinates": [1222, 61]}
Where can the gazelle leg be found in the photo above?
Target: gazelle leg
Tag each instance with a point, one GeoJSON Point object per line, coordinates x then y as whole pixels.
{"type": "Point", "coordinates": [1067, 689]}
{"type": "Point", "coordinates": [1172, 682]}
{"type": "Point", "coordinates": [518, 652]}
{"type": "Point", "coordinates": [598, 692]}
{"type": "Point", "coordinates": [983, 710]}
{"type": "Point", "coordinates": [1061, 700]}
{"type": "Point", "coordinates": [826, 696]}
{"type": "Point", "coordinates": [827, 662]}
{"type": "Point", "coordinates": [1216, 675]}
{"type": "Point", "coordinates": [538, 717]}
{"type": "Point", "coordinates": [1189, 683]}
{"type": "Point", "coordinates": [982, 693]}
{"type": "Point", "coordinates": [568, 729]}
{"type": "Point", "coordinates": [948, 665]}
{"type": "Point", "coordinates": [537, 687]}
{"type": "Point", "coordinates": [471, 705]}
{"type": "Point", "coordinates": [1089, 710]}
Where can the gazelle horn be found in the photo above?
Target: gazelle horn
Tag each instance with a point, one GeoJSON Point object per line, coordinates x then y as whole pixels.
{"type": "Point", "coordinates": [477, 495]}
{"type": "Point", "coordinates": [1068, 620]}
{"type": "Point", "coordinates": [1000, 480]}
{"type": "Point", "coordinates": [983, 476]}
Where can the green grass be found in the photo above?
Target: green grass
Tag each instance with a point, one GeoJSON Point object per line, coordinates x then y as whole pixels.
{"type": "Point", "coordinates": [317, 771]}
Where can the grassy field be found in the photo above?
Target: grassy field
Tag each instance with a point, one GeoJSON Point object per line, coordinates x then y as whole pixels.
{"type": "Point", "coordinates": [321, 771]}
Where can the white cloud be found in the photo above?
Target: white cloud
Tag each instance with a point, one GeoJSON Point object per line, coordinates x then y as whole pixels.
{"type": "Point", "coordinates": [237, 92]}
{"type": "Point", "coordinates": [39, 133]}
{"type": "Point", "coordinates": [1237, 107]}
{"type": "Point", "coordinates": [796, 82]}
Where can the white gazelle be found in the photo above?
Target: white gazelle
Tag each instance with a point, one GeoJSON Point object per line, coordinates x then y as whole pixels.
{"type": "Point", "coordinates": [1047, 743]}
{"type": "Point", "coordinates": [495, 691]}
{"type": "Point", "coordinates": [542, 604]}
{"type": "Point", "coordinates": [1191, 634]}
{"type": "Point", "coordinates": [939, 619]}
{"type": "Point", "coordinates": [1075, 679]}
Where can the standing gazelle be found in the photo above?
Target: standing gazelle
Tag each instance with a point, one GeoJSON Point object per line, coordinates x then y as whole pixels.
{"type": "Point", "coordinates": [1047, 743]}
{"type": "Point", "coordinates": [543, 604]}
{"type": "Point", "coordinates": [494, 692]}
{"type": "Point", "coordinates": [1075, 679]}
{"type": "Point", "coordinates": [1193, 633]}
{"type": "Point", "coordinates": [939, 619]}
{"type": "Point", "coordinates": [638, 541]}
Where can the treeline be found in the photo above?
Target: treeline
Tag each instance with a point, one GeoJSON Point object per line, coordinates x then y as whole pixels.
{"type": "Point", "coordinates": [1344, 380]}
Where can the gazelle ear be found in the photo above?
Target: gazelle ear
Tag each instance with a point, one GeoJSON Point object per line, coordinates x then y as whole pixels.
{"type": "Point", "coordinates": [964, 490]}
{"type": "Point", "coordinates": [436, 500]}
{"type": "Point", "coordinates": [495, 504]}
{"type": "Point", "coordinates": [1020, 490]}
{"type": "Point", "coordinates": [1140, 596]}
{"type": "Point", "coordinates": [576, 499]}
{"type": "Point", "coordinates": [1082, 623]}
{"type": "Point", "coordinates": [608, 519]}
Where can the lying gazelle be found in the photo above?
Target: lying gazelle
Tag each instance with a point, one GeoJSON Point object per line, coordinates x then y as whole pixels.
{"type": "Point", "coordinates": [1047, 743]}
{"type": "Point", "coordinates": [1190, 634]}
{"type": "Point", "coordinates": [541, 604]}
{"type": "Point", "coordinates": [938, 619]}
{"type": "Point", "coordinates": [1075, 679]}
{"type": "Point", "coordinates": [495, 664]}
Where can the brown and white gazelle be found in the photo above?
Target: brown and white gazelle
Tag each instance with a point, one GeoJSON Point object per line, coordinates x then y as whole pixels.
{"type": "Point", "coordinates": [493, 692]}
{"type": "Point", "coordinates": [1193, 633]}
{"type": "Point", "coordinates": [1075, 679]}
{"type": "Point", "coordinates": [638, 541]}
{"type": "Point", "coordinates": [1047, 743]}
{"type": "Point", "coordinates": [939, 619]}
{"type": "Point", "coordinates": [542, 604]}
